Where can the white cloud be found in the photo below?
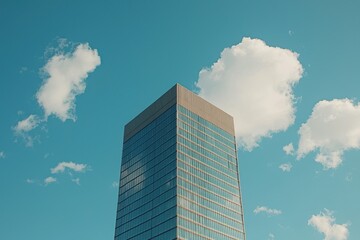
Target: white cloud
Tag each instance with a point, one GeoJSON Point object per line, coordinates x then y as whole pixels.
{"type": "Point", "coordinates": [325, 223]}
{"type": "Point", "coordinates": [267, 210]}
{"type": "Point", "coordinates": [332, 128]}
{"type": "Point", "coordinates": [254, 83]}
{"type": "Point", "coordinates": [286, 167]}
{"type": "Point", "coordinates": [289, 149]}
{"type": "Point", "coordinates": [23, 127]}
{"type": "Point", "coordinates": [66, 73]}
{"type": "Point", "coordinates": [2, 154]}
{"type": "Point", "coordinates": [27, 124]}
{"type": "Point", "coordinates": [49, 180]}
{"type": "Point", "coordinates": [70, 165]}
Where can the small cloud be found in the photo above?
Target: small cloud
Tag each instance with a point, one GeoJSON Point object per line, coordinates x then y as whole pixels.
{"type": "Point", "coordinates": [30, 181]}
{"type": "Point", "coordinates": [267, 210]}
{"type": "Point", "coordinates": [254, 83]}
{"type": "Point", "coordinates": [76, 180]}
{"type": "Point", "coordinates": [2, 154]}
{"type": "Point", "coordinates": [49, 180]}
{"type": "Point", "coordinates": [289, 149]}
{"type": "Point", "coordinates": [271, 236]}
{"type": "Point", "coordinates": [325, 224]}
{"type": "Point", "coordinates": [291, 33]}
{"type": "Point", "coordinates": [286, 167]}
{"type": "Point", "coordinates": [332, 128]}
{"type": "Point", "coordinates": [69, 165]}
{"type": "Point", "coordinates": [27, 124]}
{"type": "Point", "coordinates": [66, 74]}
{"type": "Point", "coordinates": [23, 127]}
{"type": "Point", "coordinates": [115, 184]}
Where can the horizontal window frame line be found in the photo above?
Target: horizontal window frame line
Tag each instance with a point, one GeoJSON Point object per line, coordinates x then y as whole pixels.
{"type": "Point", "coordinates": [205, 142]}
{"type": "Point", "coordinates": [204, 198]}
{"type": "Point", "coordinates": [165, 231]}
{"type": "Point", "coordinates": [184, 114]}
{"type": "Point", "coordinates": [148, 211]}
{"type": "Point", "coordinates": [179, 177]}
{"type": "Point", "coordinates": [209, 183]}
{"type": "Point", "coordinates": [214, 230]}
{"type": "Point", "coordinates": [147, 202]}
{"type": "Point", "coordinates": [148, 140]}
{"type": "Point", "coordinates": [147, 186]}
{"type": "Point", "coordinates": [190, 231]}
{"type": "Point", "coordinates": [186, 139]}
{"type": "Point", "coordinates": [230, 185]}
{"type": "Point", "coordinates": [204, 156]}
{"type": "Point", "coordinates": [223, 144]}
{"type": "Point", "coordinates": [211, 219]}
{"type": "Point", "coordinates": [212, 210]}
{"type": "Point", "coordinates": [150, 192]}
{"type": "Point", "coordinates": [148, 155]}
{"type": "Point", "coordinates": [169, 109]}
{"type": "Point", "coordinates": [172, 161]}
{"type": "Point", "coordinates": [175, 216]}
{"type": "Point", "coordinates": [146, 134]}
{"type": "Point", "coordinates": [202, 163]}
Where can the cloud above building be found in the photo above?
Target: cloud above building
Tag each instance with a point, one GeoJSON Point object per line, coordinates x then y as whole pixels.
{"type": "Point", "coordinates": [254, 83]}
{"type": "Point", "coordinates": [76, 167]}
{"type": "Point", "coordinates": [332, 128]}
{"type": "Point", "coordinates": [66, 74]}
{"type": "Point", "coordinates": [49, 180]}
{"type": "Point", "coordinates": [325, 224]}
{"type": "Point", "coordinates": [269, 211]}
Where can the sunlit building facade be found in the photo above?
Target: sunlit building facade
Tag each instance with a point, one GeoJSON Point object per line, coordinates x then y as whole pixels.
{"type": "Point", "coordinates": [179, 173]}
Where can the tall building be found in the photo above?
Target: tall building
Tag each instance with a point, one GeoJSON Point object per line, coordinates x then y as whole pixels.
{"type": "Point", "coordinates": [179, 173]}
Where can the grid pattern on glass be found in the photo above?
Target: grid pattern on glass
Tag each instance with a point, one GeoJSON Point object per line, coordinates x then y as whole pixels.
{"type": "Point", "coordinates": [147, 191]}
{"type": "Point", "coordinates": [209, 203]}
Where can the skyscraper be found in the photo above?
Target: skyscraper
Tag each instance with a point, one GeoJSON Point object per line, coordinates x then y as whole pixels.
{"type": "Point", "coordinates": [179, 173]}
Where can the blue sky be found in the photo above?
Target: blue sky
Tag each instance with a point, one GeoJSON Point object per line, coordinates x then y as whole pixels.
{"type": "Point", "coordinates": [83, 69]}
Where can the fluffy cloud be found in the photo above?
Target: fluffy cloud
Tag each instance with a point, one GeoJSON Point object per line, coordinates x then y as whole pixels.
{"type": "Point", "coordinates": [267, 210]}
{"type": "Point", "coordinates": [289, 149]}
{"type": "Point", "coordinates": [286, 167]}
{"type": "Point", "coordinates": [66, 79]}
{"type": "Point", "coordinates": [69, 165]}
{"type": "Point", "coordinates": [24, 126]}
{"type": "Point", "coordinates": [49, 180]}
{"type": "Point", "coordinates": [27, 124]}
{"type": "Point", "coordinates": [254, 83]}
{"type": "Point", "coordinates": [332, 128]}
{"type": "Point", "coordinates": [2, 154]}
{"type": "Point", "coordinates": [325, 223]}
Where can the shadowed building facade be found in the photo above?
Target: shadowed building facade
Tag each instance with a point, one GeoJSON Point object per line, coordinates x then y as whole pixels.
{"type": "Point", "coordinates": [179, 173]}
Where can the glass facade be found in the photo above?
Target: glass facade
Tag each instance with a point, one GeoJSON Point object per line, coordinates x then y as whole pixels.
{"type": "Point", "coordinates": [147, 189]}
{"type": "Point", "coordinates": [179, 180]}
{"type": "Point", "coordinates": [208, 194]}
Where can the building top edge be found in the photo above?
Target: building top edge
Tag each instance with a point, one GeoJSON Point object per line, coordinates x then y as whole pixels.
{"type": "Point", "coordinates": [186, 98]}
